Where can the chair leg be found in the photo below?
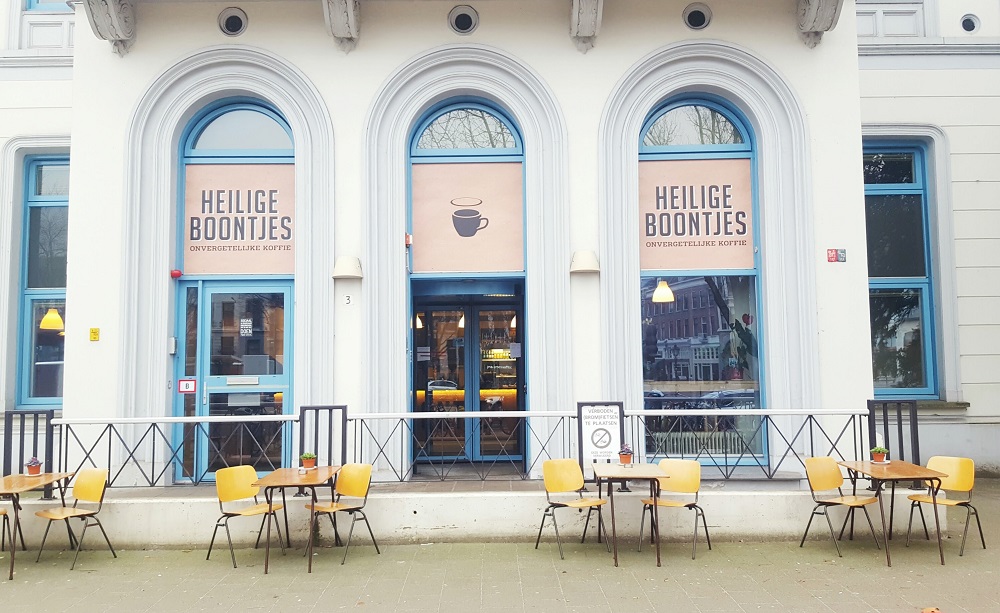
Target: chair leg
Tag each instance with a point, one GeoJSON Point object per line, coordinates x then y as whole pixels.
{"type": "Point", "coordinates": [3, 535]}
{"type": "Point", "coordinates": [42, 546]}
{"type": "Point", "coordinates": [83, 535]}
{"type": "Point", "coordinates": [833, 535]}
{"type": "Point", "coordinates": [694, 541]}
{"type": "Point", "coordinates": [603, 528]}
{"type": "Point", "coordinates": [586, 524]}
{"type": "Point", "coordinates": [538, 539]}
{"type": "Point", "coordinates": [211, 543]}
{"type": "Point", "coordinates": [920, 508]}
{"type": "Point", "coordinates": [555, 525]}
{"type": "Point", "coordinates": [642, 523]}
{"type": "Point", "coordinates": [277, 527]}
{"type": "Point", "coordinates": [354, 520]}
{"type": "Point", "coordinates": [230, 539]}
{"type": "Point", "coordinates": [979, 525]}
{"type": "Point", "coordinates": [106, 539]}
{"type": "Point", "coordinates": [809, 523]}
{"type": "Point", "coordinates": [370, 533]}
{"type": "Point", "coordinates": [872, 526]}
{"type": "Point", "coordinates": [909, 525]}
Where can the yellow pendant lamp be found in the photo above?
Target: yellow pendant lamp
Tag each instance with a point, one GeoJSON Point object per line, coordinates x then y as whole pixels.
{"type": "Point", "coordinates": [51, 321]}
{"type": "Point", "coordinates": [663, 293]}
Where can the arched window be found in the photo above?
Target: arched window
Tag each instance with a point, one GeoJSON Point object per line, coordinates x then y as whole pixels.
{"type": "Point", "coordinates": [466, 191]}
{"type": "Point", "coordinates": [238, 196]}
{"type": "Point", "coordinates": [236, 255]}
{"type": "Point", "coordinates": [698, 248]}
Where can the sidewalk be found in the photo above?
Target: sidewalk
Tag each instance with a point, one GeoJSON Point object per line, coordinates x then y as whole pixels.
{"type": "Point", "coordinates": [734, 576]}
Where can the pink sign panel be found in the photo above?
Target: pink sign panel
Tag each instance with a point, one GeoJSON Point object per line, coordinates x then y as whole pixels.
{"type": "Point", "coordinates": [468, 217]}
{"type": "Point", "coordinates": [695, 214]}
{"type": "Point", "coordinates": [239, 218]}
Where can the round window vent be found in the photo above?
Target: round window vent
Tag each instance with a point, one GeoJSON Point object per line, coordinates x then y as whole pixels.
{"type": "Point", "coordinates": [232, 21]}
{"type": "Point", "coordinates": [697, 16]}
{"type": "Point", "coordinates": [463, 19]}
{"type": "Point", "coordinates": [970, 23]}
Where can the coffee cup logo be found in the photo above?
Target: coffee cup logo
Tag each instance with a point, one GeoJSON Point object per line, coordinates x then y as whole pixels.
{"type": "Point", "coordinates": [467, 219]}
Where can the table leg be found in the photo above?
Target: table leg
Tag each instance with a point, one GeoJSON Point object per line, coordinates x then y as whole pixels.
{"type": "Point", "coordinates": [17, 526]}
{"type": "Point", "coordinates": [269, 496]}
{"type": "Point", "coordinates": [654, 492]}
{"type": "Point", "coordinates": [614, 530]}
{"type": "Point", "coordinates": [881, 509]}
{"type": "Point", "coordinates": [892, 507]}
{"type": "Point", "coordinates": [284, 508]}
{"type": "Point", "coordinates": [937, 523]}
{"type": "Point", "coordinates": [312, 528]}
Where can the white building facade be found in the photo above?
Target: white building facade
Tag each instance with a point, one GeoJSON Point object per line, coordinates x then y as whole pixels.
{"type": "Point", "coordinates": [241, 208]}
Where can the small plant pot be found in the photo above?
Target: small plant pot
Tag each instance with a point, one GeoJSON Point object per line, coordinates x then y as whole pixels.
{"type": "Point", "coordinates": [35, 470]}
{"type": "Point", "coordinates": [878, 457]}
{"type": "Point", "coordinates": [625, 458]}
{"type": "Point", "coordinates": [310, 463]}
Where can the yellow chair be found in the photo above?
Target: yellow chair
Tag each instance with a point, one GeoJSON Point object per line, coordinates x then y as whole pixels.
{"type": "Point", "coordinates": [234, 484]}
{"type": "Point", "coordinates": [89, 487]}
{"type": "Point", "coordinates": [961, 478]}
{"type": "Point", "coordinates": [563, 476]}
{"type": "Point", "coordinates": [353, 481]}
{"type": "Point", "coordinates": [824, 475]}
{"type": "Point", "coordinates": [683, 477]}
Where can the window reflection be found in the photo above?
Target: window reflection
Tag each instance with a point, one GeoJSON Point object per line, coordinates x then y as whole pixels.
{"type": "Point", "coordinates": [897, 343]}
{"type": "Point", "coordinates": [467, 128]}
{"type": "Point", "coordinates": [702, 354]}
{"type": "Point", "coordinates": [692, 125]}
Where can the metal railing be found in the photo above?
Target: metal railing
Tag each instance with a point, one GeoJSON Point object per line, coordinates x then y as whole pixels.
{"type": "Point", "coordinates": [406, 446]}
{"type": "Point", "coordinates": [883, 413]}
{"type": "Point", "coordinates": [730, 440]}
{"type": "Point", "coordinates": [173, 450]}
{"type": "Point", "coordinates": [438, 445]}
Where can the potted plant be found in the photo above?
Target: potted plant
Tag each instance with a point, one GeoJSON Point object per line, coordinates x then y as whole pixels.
{"type": "Point", "coordinates": [625, 454]}
{"type": "Point", "coordinates": [34, 466]}
{"type": "Point", "coordinates": [308, 459]}
{"type": "Point", "coordinates": [878, 454]}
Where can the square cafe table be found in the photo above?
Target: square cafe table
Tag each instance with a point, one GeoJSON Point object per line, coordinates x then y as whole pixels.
{"type": "Point", "coordinates": [14, 486]}
{"type": "Point", "coordinates": [291, 477]}
{"type": "Point", "coordinates": [633, 472]}
{"type": "Point", "coordinates": [893, 471]}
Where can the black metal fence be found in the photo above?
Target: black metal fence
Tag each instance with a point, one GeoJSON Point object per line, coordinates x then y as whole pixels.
{"type": "Point", "coordinates": [475, 445]}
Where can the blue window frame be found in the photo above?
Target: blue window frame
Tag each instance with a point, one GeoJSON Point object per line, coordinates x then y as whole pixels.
{"type": "Point", "coordinates": [43, 282]}
{"type": "Point", "coordinates": [686, 363]}
{"type": "Point", "coordinates": [49, 6]}
{"type": "Point", "coordinates": [900, 284]}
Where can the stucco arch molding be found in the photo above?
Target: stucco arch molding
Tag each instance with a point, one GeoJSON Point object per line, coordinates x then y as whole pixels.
{"type": "Point", "coordinates": [784, 204]}
{"type": "Point", "coordinates": [434, 76]}
{"type": "Point", "coordinates": [150, 210]}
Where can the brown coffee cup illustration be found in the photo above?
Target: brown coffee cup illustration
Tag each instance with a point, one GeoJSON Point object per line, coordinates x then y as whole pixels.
{"type": "Point", "coordinates": [468, 220]}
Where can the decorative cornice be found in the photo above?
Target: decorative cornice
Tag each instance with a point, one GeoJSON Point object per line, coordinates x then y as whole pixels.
{"type": "Point", "coordinates": [343, 19]}
{"type": "Point", "coordinates": [816, 17]}
{"type": "Point", "coordinates": [929, 48]}
{"type": "Point", "coordinates": [113, 21]}
{"type": "Point", "coordinates": [585, 23]}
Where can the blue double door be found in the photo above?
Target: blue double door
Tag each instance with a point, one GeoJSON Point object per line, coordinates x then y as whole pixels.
{"type": "Point", "coordinates": [468, 357]}
{"type": "Point", "coordinates": [234, 361]}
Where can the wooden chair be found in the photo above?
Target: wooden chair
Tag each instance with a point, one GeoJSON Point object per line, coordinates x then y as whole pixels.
{"type": "Point", "coordinates": [564, 476]}
{"type": "Point", "coordinates": [961, 479]}
{"type": "Point", "coordinates": [683, 477]}
{"type": "Point", "coordinates": [824, 475]}
{"type": "Point", "coordinates": [353, 481]}
{"type": "Point", "coordinates": [89, 486]}
{"type": "Point", "coordinates": [234, 484]}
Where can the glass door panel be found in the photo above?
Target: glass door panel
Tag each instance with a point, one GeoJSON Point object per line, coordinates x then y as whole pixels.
{"type": "Point", "coordinates": [499, 382]}
{"type": "Point", "coordinates": [235, 348]}
{"type": "Point", "coordinates": [440, 376]}
{"type": "Point", "coordinates": [467, 359]}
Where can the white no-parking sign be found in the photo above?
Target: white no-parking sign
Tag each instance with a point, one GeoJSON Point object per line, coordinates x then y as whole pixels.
{"type": "Point", "coordinates": [602, 430]}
